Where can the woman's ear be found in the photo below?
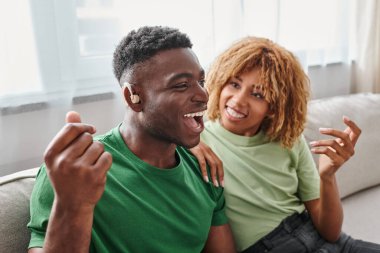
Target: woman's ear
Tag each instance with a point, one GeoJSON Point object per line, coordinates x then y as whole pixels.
{"type": "Point", "coordinates": [270, 113]}
{"type": "Point", "coordinates": [131, 97]}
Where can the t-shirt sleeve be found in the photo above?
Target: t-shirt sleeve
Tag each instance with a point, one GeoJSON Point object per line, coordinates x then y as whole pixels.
{"type": "Point", "coordinates": [219, 217]}
{"type": "Point", "coordinates": [40, 207]}
{"type": "Point", "coordinates": [308, 176]}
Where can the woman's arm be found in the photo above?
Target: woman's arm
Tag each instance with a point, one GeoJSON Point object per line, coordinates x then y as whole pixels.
{"type": "Point", "coordinates": [220, 240]}
{"type": "Point", "coordinates": [327, 212]}
{"type": "Point", "coordinates": [205, 155]}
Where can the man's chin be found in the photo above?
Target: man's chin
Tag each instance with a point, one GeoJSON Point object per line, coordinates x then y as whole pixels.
{"type": "Point", "coordinates": [190, 143]}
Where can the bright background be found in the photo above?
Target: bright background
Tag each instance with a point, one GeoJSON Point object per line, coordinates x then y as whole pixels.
{"type": "Point", "coordinates": [56, 55]}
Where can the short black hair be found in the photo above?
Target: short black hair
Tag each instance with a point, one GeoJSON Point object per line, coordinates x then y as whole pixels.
{"type": "Point", "coordinates": [144, 43]}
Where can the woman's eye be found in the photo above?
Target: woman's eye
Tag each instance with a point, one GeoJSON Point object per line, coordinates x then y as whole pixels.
{"type": "Point", "coordinates": [235, 85]}
{"type": "Point", "coordinates": [257, 95]}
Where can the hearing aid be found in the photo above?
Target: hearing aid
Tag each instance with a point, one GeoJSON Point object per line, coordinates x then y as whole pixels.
{"type": "Point", "coordinates": [134, 98]}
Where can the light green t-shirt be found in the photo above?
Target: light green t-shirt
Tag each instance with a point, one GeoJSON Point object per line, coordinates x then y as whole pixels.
{"type": "Point", "coordinates": [143, 208]}
{"type": "Point", "coordinates": [264, 183]}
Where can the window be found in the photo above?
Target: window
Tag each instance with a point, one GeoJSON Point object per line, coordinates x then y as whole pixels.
{"type": "Point", "coordinates": [19, 70]}
{"type": "Point", "coordinates": [319, 30]}
{"type": "Point", "coordinates": [61, 49]}
{"type": "Point", "coordinates": [75, 41]}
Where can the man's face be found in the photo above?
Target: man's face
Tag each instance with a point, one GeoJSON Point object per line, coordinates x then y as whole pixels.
{"type": "Point", "coordinates": [173, 97]}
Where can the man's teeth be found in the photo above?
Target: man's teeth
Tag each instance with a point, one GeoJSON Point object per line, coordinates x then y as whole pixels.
{"type": "Point", "coordinates": [195, 114]}
{"type": "Point", "coordinates": [234, 113]}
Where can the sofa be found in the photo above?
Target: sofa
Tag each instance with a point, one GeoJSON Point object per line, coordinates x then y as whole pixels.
{"type": "Point", "coordinates": [358, 179]}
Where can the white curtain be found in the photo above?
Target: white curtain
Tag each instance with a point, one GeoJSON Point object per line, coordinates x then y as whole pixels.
{"type": "Point", "coordinates": [318, 30]}
{"type": "Point", "coordinates": [366, 69]}
{"type": "Point", "coordinates": [67, 45]}
{"type": "Point", "coordinates": [19, 70]}
{"type": "Point", "coordinates": [57, 51]}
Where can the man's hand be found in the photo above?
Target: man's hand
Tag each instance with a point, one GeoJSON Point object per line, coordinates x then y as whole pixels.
{"type": "Point", "coordinates": [77, 166]}
{"type": "Point", "coordinates": [335, 152]}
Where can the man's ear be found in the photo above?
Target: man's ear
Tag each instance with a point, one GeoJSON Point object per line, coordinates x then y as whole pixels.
{"type": "Point", "coordinates": [131, 97]}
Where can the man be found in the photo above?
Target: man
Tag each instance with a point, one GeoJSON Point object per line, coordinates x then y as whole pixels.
{"type": "Point", "coordinates": [136, 188]}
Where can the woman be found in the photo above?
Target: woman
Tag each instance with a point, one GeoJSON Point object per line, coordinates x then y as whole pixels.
{"type": "Point", "coordinates": [276, 199]}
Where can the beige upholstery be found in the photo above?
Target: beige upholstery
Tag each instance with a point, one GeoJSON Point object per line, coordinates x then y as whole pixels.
{"type": "Point", "coordinates": [359, 178]}
{"type": "Point", "coordinates": [361, 203]}
{"type": "Point", "coordinates": [15, 191]}
{"type": "Point", "coordinates": [361, 215]}
{"type": "Point", "coordinates": [363, 169]}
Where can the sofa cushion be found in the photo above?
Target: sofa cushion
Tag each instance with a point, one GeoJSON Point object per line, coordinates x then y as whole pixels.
{"type": "Point", "coordinates": [15, 190]}
{"type": "Point", "coordinates": [361, 215]}
{"type": "Point", "coordinates": [363, 169]}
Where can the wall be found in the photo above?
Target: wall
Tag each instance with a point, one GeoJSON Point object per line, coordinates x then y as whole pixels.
{"type": "Point", "coordinates": [331, 80]}
{"type": "Point", "coordinates": [24, 136]}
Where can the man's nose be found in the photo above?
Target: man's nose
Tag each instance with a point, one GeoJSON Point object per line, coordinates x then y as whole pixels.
{"type": "Point", "coordinates": [200, 94]}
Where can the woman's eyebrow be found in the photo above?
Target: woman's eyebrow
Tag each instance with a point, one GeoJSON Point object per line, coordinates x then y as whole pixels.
{"type": "Point", "coordinates": [238, 77]}
{"type": "Point", "coordinates": [258, 87]}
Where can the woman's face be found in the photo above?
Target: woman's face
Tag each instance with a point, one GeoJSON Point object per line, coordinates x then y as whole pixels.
{"type": "Point", "coordinates": [242, 105]}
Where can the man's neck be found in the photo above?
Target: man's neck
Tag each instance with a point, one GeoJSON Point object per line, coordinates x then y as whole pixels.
{"type": "Point", "coordinates": [149, 149]}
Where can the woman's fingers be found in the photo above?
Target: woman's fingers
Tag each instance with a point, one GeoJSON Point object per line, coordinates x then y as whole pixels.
{"type": "Point", "coordinates": [197, 152]}
{"type": "Point", "coordinates": [352, 130]}
{"type": "Point", "coordinates": [206, 156]}
{"type": "Point", "coordinates": [338, 150]}
{"type": "Point", "coordinates": [216, 168]}
{"type": "Point", "coordinates": [346, 151]}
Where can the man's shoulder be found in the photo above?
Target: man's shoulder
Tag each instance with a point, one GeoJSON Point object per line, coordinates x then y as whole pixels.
{"type": "Point", "coordinates": [187, 157]}
{"type": "Point", "coordinates": [111, 140]}
{"type": "Point", "coordinates": [190, 162]}
{"type": "Point", "coordinates": [107, 136]}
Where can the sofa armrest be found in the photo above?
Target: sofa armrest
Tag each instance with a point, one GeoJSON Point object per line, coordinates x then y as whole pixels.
{"type": "Point", "coordinates": [15, 190]}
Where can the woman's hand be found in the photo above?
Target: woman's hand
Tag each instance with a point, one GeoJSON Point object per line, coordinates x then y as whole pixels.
{"type": "Point", "coordinates": [327, 211]}
{"type": "Point", "coordinates": [335, 152]}
{"type": "Point", "coordinates": [205, 155]}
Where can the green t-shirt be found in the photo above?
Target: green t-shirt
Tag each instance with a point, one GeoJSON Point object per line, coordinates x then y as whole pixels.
{"type": "Point", "coordinates": [143, 208]}
{"type": "Point", "coordinates": [264, 183]}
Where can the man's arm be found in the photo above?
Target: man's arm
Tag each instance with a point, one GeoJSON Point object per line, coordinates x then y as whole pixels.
{"type": "Point", "coordinates": [77, 168]}
{"type": "Point", "coordinates": [220, 240]}
{"type": "Point", "coordinates": [68, 231]}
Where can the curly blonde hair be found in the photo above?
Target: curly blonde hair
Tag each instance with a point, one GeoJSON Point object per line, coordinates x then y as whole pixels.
{"type": "Point", "coordinates": [286, 86]}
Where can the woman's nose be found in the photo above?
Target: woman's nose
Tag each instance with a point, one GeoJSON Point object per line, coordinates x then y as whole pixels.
{"type": "Point", "coordinates": [240, 97]}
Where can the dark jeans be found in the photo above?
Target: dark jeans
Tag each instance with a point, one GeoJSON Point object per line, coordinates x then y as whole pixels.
{"type": "Point", "coordinates": [297, 234]}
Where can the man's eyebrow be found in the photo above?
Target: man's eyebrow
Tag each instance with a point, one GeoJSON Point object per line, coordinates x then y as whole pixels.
{"type": "Point", "coordinates": [185, 75]}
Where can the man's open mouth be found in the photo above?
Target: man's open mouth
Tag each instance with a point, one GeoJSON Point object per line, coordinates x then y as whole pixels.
{"type": "Point", "coordinates": [194, 120]}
